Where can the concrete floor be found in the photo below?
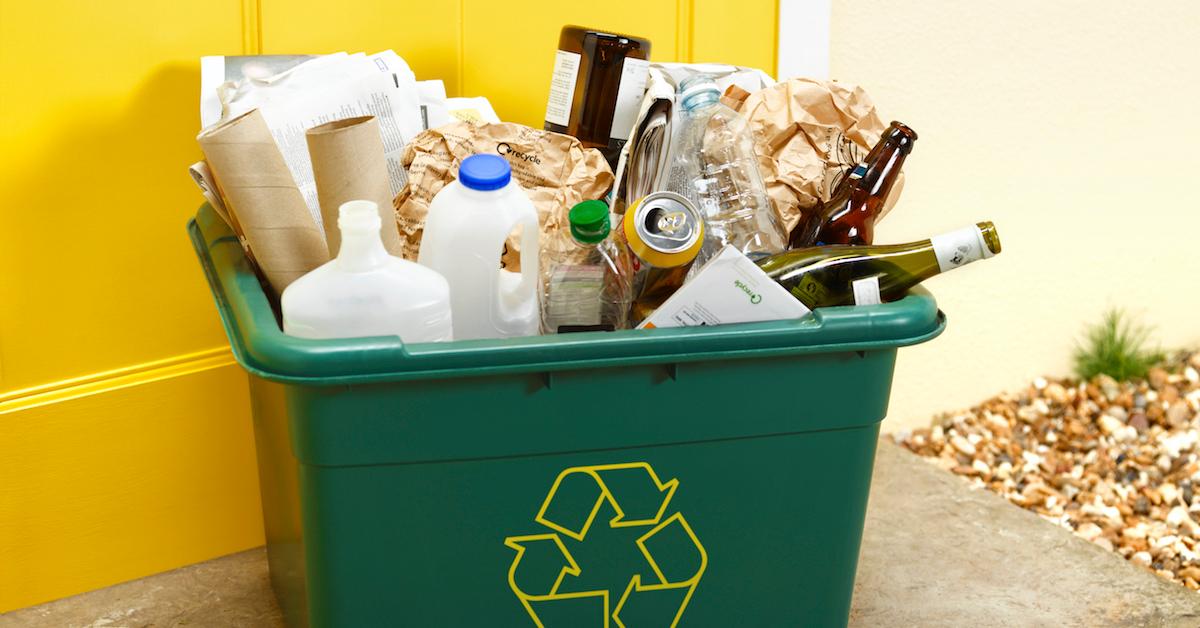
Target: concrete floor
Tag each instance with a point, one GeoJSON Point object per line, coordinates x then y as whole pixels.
{"type": "Point", "coordinates": [935, 553]}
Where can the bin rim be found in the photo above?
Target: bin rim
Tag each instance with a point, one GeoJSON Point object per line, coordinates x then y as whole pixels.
{"type": "Point", "coordinates": [263, 350]}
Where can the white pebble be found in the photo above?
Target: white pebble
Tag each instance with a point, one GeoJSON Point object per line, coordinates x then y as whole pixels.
{"type": "Point", "coordinates": [1178, 516]}
{"type": "Point", "coordinates": [1136, 532]}
{"type": "Point", "coordinates": [981, 467]}
{"type": "Point", "coordinates": [1100, 510]}
{"type": "Point", "coordinates": [1170, 539]}
{"type": "Point", "coordinates": [1089, 531]}
{"type": "Point", "coordinates": [963, 445]}
{"type": "Point", "coordinates": [1164, 463]}
{"type": "Point", "coordinates": [1191, 375]}
{"type": "Point", "coordinates": [1179, 442]}
{"type": "Point", "coordinates": [1126, 434]}
{"type": "Point", "coordinates": [1004, 470]}
{"type": "Point", "coordinates": [1169, 492]}
{"type": "Point", "coordinates": [974, 439]}
{"type": "Point", "coordinates": [1039, 383]}
{"type": "Point", "coordinates": [1109, 424]}
{"type": "Point", "coordinates": [1141, 558]}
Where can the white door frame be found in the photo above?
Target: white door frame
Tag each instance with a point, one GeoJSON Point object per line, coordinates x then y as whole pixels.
{"type": "Point", "coordinates": [803, 39]}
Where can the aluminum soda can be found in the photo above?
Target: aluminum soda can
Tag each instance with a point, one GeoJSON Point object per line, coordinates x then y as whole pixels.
{"type": "Point", "coordinates": [664, 229]}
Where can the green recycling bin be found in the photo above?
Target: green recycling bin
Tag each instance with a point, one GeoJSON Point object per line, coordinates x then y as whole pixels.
{"type": "Point", "coordinates": [711, 476]}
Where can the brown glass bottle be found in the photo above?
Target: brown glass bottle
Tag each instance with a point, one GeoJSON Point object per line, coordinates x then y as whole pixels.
{"type": "Point", "coordinates": [849, 215]}
{"type": "Point", "coordinates": [596, 88]}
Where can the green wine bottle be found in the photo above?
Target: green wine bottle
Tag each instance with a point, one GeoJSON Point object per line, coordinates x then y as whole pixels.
{"type": "Point", "coordinates": [826, 275]}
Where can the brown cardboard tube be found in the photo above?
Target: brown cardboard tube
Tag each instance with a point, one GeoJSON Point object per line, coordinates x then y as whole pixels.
{"type": "Point", "coordinates": [348, 165]}
{"type": "Point", "coordinates": [262, 196]}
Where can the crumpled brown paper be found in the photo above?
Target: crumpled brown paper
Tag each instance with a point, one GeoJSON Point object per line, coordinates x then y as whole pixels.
{"type": "Point", "coordinates": [555, 170]}
{"type": "Point", "coordinates": [807, 134]}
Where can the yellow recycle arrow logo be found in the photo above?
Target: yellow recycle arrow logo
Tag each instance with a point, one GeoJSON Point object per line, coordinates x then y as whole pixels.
{"type": "Point", "coordinates": [570, 509]}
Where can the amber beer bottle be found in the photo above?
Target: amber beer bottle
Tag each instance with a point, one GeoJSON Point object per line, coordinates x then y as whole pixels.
{"type": "Point", "coordinates": [598, 82]}
{"type": "Point", "coordinates": [849, 215]}
{"type": "Point", "coordinates": [823, 276]}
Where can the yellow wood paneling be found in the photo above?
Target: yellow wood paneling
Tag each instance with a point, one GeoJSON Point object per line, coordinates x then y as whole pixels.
{"type": "Point", "coordinates": [109, 487]}
{"type": "Point", "coordinates": [741, 33]}
{"type": "Point", "coordinates": [426, 34]}
{"type": "Point", "coordinates": [98, 117]}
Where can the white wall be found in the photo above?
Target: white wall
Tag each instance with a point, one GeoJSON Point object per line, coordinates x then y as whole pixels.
{"type": "Point", "coordinates": [1075, 126]}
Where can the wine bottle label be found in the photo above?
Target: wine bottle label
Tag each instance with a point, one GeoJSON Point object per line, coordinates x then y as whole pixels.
{"type": "Point", "coordinates": [634, 74]}
{"type": "Point", "coordinates": [959, 247]}
{"type": "Point", "coordinates": [562, 88]}
{"type": "Point", "coordinates": [866, 291]}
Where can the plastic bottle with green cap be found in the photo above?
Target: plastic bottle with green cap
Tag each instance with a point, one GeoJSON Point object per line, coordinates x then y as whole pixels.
{"type": "Point", "coordinates": [586, 282]}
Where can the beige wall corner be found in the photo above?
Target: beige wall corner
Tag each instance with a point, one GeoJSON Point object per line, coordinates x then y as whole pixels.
{"type": "Point", "coordinates": [1072, 126]}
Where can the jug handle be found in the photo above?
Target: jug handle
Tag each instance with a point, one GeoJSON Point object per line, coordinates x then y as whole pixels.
{"type": "Point", "coordinates": [527, 284]}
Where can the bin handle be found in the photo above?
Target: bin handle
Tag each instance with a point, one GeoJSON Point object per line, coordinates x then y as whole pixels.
{"type": "Point", "coordinates": [251, 315]}
{"type": "Point", "coordinates": [262, 348]}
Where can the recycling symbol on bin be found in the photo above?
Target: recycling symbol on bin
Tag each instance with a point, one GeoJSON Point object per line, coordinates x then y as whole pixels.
{"type": "Point", "coordinates": [615, 551]}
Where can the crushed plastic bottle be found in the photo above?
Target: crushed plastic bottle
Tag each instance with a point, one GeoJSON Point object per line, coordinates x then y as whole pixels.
{"type": "Point", "coordinates": [714, 166]}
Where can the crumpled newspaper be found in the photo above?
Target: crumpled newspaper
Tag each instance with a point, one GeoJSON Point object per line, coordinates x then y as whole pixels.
{"type": "Point", "coordinates": [808, 134]}
{"type": "Point", "coordinates": [555, 170]}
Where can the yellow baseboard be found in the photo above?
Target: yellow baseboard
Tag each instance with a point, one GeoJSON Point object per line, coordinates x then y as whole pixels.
{"type": "Point", "coordinates": [112, 479]}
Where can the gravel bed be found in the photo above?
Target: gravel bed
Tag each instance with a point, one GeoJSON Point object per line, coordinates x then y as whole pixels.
{"type": "Point", "coordinates": [1117, 463]}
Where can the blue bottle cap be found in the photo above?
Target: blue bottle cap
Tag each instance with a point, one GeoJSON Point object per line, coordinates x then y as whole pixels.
{"type": "Point", "coordinates": [484, 172]}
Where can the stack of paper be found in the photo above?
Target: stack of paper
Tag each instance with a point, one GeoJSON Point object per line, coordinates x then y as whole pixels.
{"type": "Point", "coordinates": [319, 90]}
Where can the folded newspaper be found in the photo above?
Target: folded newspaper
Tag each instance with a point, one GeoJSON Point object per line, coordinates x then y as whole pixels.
{"type": "Point", "coordinates": [315, 91]}
{"type": "Point", "coordinates": [298, 92]}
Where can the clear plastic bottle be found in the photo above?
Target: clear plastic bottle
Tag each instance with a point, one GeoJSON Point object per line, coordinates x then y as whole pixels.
{"type": "Point", "coordinates": [714, 166]}
{"type": "Point", "coordinates": [586, 285]}
{"type": "Point", "coordinates": [364, 291]}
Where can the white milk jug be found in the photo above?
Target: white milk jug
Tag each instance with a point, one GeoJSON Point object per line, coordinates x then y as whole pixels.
{"type": "Point", "coordinates": [364, 291]}
{"type": "Point", "coordinates": [465, 230]}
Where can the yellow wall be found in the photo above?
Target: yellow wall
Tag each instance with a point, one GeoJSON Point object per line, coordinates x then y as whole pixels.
{"type": "Point", "coordinates": [125, 441]}
{"type": "Point", "coordinates": [1073, 126]}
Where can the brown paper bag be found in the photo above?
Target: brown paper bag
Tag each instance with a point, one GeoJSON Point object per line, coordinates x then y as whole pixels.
{"type": "Point", "coordinates": [555, 170]}
{"type": "Point", "coordinates": [262, 196]}
{"type": "Point", "coordinates": [807, 134]}
{"type": "Point", "coordinates": [348, 164]}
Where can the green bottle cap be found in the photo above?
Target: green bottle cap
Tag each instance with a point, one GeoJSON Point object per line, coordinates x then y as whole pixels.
{"type": "Point", "coordinates": [589, 222]}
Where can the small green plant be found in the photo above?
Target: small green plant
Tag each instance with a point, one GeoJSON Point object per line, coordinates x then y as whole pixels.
{"type": "Point", "coordinates": [1115, 347]}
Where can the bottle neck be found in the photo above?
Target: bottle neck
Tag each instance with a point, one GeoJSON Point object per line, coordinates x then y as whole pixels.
{"type": "Point", "coordinates": [361, 250]}
{"type": "Point", "coordinates": [697, 102]}
{"type": "Point", "coordinates": [884, 166]}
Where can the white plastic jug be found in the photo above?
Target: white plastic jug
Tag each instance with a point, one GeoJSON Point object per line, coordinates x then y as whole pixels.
{"type": "Point", "coordinates": [465, 230]}
{"type": "Point", "coordinates": [364, 291]}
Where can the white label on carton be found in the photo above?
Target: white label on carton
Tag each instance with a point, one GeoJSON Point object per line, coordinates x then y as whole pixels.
{"type": "Point", "coordinates": [634, 74]}
{"type": "Point", "coordinates": [730, 288]}
{"type": "Point", "coordinates": [959, 247]}
{"type": "Point", "coordinates": [866, 291]}
{"type": "Point", "coordinates": [562, 87]}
